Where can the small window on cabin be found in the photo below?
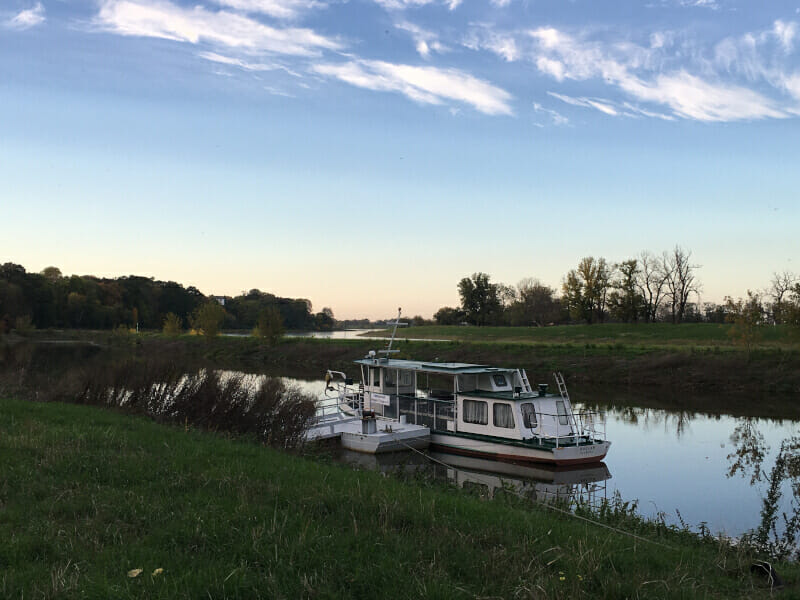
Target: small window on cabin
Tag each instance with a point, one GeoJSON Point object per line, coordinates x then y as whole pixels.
{"type": "Point", "coordinates": [376, 377]}
{"type": "Point", "coordinates": [475, 411]}
{"type": "Point", "coordinates": [503, 415]}
{"type": "Point", "coordinates": [406, 378]}
{"type": "Point", "coordinates": [389, 378]}
{"type": "Point", "coordinates": [529, 415]}
{"type": "Point", "coordinates": [499, 380]}
{"type": "Point", "coordinates": [562, 413]}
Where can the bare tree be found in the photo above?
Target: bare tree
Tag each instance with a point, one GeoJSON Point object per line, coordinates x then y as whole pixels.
{"type": "Point", "coordinates": [780, 286]}
{"type": "Point", "coordinates": [681, 280]}
{"type": "Point", "coordinates": [651, 281]}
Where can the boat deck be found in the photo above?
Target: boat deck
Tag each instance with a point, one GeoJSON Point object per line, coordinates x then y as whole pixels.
{"type": "Point", "coordinates": [389, 435]}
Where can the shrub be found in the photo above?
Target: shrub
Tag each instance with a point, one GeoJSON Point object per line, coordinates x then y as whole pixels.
{"type": "Point", "coordinates": [173, 325]}
{"type": "Point", "coordinates": [270, 325]}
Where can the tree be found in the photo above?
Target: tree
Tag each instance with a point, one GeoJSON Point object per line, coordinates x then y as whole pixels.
{"type": "Point", "coordinates": [586, 289]}
{"type": "Point", "coordinates": [747, 316]}
{"type": "Point", "coordinates": [651, 281]}
{"type": "Point", "coordinates": [325, 320]}
{"type": "Point", "coordinates": [625, 301]}
{"type": "Point", "coordinates": [208, 318]}
{"type": "Point", "coordinates": [681, 281]}
{"type": "Point", "coordinates": [780, 289]}
{"type": "Point", "coordinates": [535, 304]}
{"type": "Point", "coordinates": [270, 325]}
{"type": "Point", "coordinates": [448, 316]}
{"type": "Point", "coordinates": [173, 325]}
{"type": "Point", "coordinates": [51, 273]}
{"type": "Point", "coordinates": [479, 299]}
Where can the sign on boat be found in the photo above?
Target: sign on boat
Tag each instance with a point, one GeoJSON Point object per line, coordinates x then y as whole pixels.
{"type": "Point", "coordinates": [459, 408]}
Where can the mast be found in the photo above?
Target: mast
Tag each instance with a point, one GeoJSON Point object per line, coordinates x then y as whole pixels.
{"type": "Point", "coordinates": [396, 324]}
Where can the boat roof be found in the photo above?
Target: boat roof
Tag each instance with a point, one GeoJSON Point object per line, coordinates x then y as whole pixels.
{"type": "Point", "coordinates": [446, 368]}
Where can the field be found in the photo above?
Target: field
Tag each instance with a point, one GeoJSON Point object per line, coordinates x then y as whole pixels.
{"type": "Point", "coordinates": [655, 335]}
{"type": "Point", "coordinates": [90, 497]}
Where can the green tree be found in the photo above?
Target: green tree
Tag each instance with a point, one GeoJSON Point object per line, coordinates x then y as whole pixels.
{"type": "Point", "coordinates": [625, 301]}
{"type": "Point", "coordinates": [747, 317]}
{"type": "Point", "coordinates": [480, 299]}
{"type": "Point", "coordinates": [270, 325]}
{"type": "Point", "coordinates": [586, 289]}
{"type": "Point", "coordinates": [448, 316]}
{"type": "Point", "coordinates": [173, 325]}
{"type": "Point", "coordinates": [535, 304]}
{"type": "Point", "coordinates": [208, 318]}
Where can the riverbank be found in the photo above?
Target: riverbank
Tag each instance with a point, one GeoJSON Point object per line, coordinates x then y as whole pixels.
{"type": "Point", "coordinates": [708, 379]}
{"type": "Point", "coordinates": [92, 496]}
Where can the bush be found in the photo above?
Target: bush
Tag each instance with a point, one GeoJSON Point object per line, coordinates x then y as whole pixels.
{"type": "Point", "coordinates": [24, 325]}
{"type": "Point", "coordinates": [208, 318]}
{"type": "Point", "coordinates": [173, 325]}
{"type": "Point", "coordinates": [270, 325]}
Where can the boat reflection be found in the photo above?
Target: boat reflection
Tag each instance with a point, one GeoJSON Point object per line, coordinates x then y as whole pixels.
{"type": "Point", "coordinates": [571, 486]}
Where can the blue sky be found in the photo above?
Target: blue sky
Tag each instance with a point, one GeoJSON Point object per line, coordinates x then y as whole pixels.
{"type": "Point", "coordinates": [368, 154]}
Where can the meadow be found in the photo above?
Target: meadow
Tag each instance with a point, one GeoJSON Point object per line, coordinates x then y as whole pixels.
{"type": "Point", "coordinates": [654, 335]}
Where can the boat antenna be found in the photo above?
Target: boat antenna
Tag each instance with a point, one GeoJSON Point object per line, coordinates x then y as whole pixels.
{"type": "Point", "coordinates": [396, 324]}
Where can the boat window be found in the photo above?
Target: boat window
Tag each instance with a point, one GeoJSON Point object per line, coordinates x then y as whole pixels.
{"type": "Point", "coordinates": [376, 377]}
{"type": "Point", "coordinates": [476, 411]}
{"type": "Point", "coordinates": [503, 415]}
{"type": "Point", "coordinates": [528, 415]}
{"type": "Point", "coordinates": [562, 413]}
{"type": "Point", "coordinates": [499, 380]}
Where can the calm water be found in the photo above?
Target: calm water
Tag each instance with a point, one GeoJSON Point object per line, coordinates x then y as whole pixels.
{"type": "Point", "coordinates": [669, 462]}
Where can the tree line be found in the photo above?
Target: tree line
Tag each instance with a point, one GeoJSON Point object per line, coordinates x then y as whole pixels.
{"type": "Point", "coordinates": [646, 288]}
{"type": "Point", "coordinates": [49, 299]}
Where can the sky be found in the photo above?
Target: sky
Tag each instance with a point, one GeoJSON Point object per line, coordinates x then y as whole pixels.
{"type": "Point", "coordinates": [368, 154]}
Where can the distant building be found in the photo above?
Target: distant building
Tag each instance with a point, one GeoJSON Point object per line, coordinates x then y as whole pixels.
{"type": "Point", "coordinates": [220, 299]}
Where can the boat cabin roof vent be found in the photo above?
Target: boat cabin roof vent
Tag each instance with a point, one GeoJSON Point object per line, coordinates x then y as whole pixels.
{"type": "Point", "coordinates": [542, 389]}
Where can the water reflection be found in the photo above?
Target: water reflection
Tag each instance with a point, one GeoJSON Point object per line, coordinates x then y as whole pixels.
{"type": "Point", "coordinates": [777, 531]}
{"type": "Point", "coordinates": [576, 486]}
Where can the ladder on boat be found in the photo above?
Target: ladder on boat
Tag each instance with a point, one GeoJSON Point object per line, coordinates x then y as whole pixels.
{"type": "Point", "coordinates": [562, 389]}
{"type": "Point", "coordinates": [562, 386]}
{"type": "Point", "coordinates": [523, 378]}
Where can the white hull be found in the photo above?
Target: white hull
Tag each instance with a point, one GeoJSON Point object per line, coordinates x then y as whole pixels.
{"type": "Point", "coordinates": [390, 436]}
{"type": "Point", "coordinates": [565, 455]}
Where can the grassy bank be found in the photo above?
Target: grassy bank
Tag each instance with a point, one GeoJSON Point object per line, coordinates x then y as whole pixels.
{"type": "Point", "coordinates": [648, 335]}
{"type": "Point", "coordinates": [88, 495]}
{"type": "Point", "coordinates": [680, 377]}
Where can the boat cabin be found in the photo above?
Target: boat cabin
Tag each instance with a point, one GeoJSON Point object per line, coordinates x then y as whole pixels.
{"type": "Point", "coordinates": [465, 398]}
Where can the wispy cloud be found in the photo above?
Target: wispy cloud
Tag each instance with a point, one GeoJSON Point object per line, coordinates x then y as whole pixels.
{"type": "Point", "coordinates": [629, 67]}
{"type": "Point", "coordinates": [25, 19]}
{"type": "Point", "coordinates": [427, 85]}
{"type": "Point", "coordinates": [405, 4]}
{"type": "Point", "coordinates": [483, 37]}
{"type": "Point", "coordinates": [424, 40]}
{"type": "Point", "coordinates": [161, 19]}
{"type": "Point", "coordinates": [555, 117]}
{"type": "Point", "coordinates": [282, 9]}
{"type": "Point", "coordinates": [603, 106]}
{"type": "Point", "coordinates": [244, 64]}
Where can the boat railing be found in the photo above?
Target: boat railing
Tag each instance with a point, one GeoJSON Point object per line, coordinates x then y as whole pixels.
{"type": "Point", "coordinates": [586, 427]}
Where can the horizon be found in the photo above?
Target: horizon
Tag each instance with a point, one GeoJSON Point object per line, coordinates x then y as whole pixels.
{"type": "Point", "coordinates": [369, 155]}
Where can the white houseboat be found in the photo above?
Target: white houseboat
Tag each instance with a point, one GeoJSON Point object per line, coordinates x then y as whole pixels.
{"type": "Point", "coordinates": [477, 410]}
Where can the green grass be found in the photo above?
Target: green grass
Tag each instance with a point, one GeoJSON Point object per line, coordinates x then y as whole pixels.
{"type": "Point", "coordinates": [646, 334]}
{"type": "Point", "coordinates": [87, 494]}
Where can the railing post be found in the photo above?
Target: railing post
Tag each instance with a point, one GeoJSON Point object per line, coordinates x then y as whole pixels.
{"type": "Point", "coordinates": [434, 414]}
